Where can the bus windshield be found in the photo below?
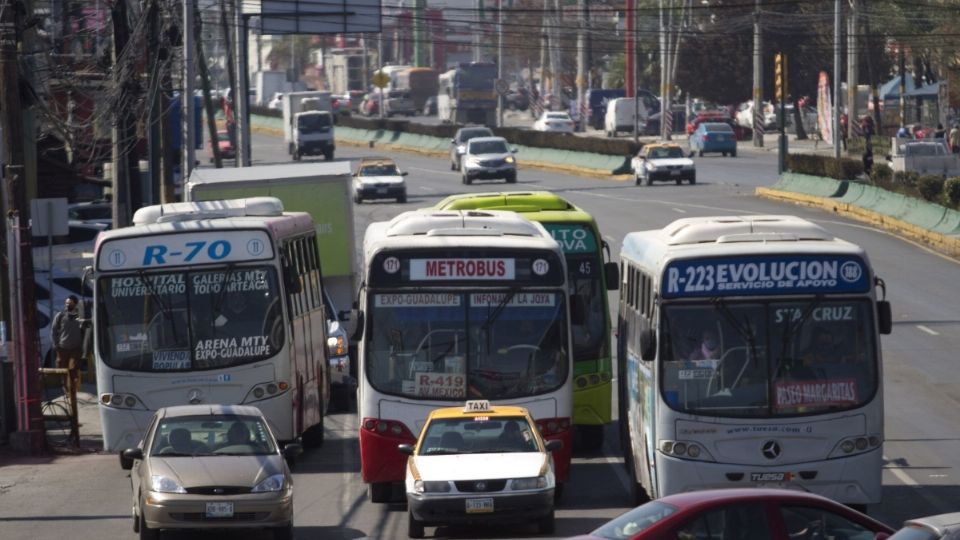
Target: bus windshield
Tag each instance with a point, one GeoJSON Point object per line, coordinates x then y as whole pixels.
{"type": "Point", "coordinates": [454, 345]}
{"type": "Point", "coordinates": [768, 359]}
{"type": "Point", "coordinates": [589, 336]}
{"type": "Point", "coordinates": [188, 320]}
{"type": "Point", "coordinates": [479, 77]}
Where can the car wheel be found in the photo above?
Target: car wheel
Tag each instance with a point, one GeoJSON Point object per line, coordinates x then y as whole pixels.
{"type": "Point", "coordinates": [414, 526]}
{"type": "Point", "coordinates": [328, 155]}
{"type": "Point", "coordinates": [357, 198]}
{"type": "Point", "coordinates": [733, 154]}
{"type": "Point", "coordinates": [402, 198]}
{"type": "Point", "coordinates": [467, 180]}
{"type": "Point", "coordinates": [379, 492]}
{"type": "Point", "coordinates": [283, 533]}
{"type": "Point", "coordinates": [700, 153]}
{"type": "Point", "coordinates": [147, 533]}
{"type": "Point", "coordinates": [724, 154]}
{"type": "Point", "coordinates": [679, 181]}
{"type": "Point", "coordinates": [512, 178]}
{"type": "Point", "coordinates": [649, 180]}
{"type": "Point", "coordinates": [545, 525]}
{"type": "Point", "coordinates": [296, 155]}
{"type": "Point", "coordinates": [693, 180]}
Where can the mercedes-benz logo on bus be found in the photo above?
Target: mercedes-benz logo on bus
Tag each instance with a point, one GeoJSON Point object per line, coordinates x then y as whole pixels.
{"type": "Point", "coordinates": [194, 396]}
{"type": "Point", "coordinates": [771, 449]}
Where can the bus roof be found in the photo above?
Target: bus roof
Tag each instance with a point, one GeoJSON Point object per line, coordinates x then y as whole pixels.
{"type": "Point", "coordinates": [250, 213]}
{"type": "Point", "coordinates": [457, 228]}
{"type": "Point", "coordinates": [541, 206]}
{"type": "Point", "coordinates": [731, 235]}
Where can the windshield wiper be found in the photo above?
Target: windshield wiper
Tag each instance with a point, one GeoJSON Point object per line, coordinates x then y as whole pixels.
{"type": "Point", "coordinates": [792, 329]}
{"type": "Point", "coordinates": [495, 314]}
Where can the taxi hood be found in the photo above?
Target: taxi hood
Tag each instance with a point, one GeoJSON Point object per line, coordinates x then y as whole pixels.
{"type": "Point", "coordinates": [479, 466]}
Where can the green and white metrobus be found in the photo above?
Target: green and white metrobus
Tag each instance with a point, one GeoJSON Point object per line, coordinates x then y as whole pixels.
{"type": "Point", "coordinates": [589, 278]}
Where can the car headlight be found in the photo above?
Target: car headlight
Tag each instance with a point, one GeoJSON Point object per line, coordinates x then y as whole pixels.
{"type": "Point", "coordinates": [269, 484]}
{"type": "Point", "coordinates": [162, 484]}
{"type": "Point", "coordinates": [431, 486]}
{"type": "Point", "coordinates": [509, 159]}
{"type": "Point", "coordinates": [650, 166]}
{"type": "Point", "coordinates": [538, 482]}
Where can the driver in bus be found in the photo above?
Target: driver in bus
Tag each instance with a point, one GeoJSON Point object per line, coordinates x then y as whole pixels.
{"type": "Point", "coordinates": [709, 348]}
{"type": "Point", "coordinates": [822, 348]}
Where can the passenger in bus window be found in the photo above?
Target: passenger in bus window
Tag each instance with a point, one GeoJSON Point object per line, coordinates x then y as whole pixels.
{"type": "Point", "coordinates": [709, 348]}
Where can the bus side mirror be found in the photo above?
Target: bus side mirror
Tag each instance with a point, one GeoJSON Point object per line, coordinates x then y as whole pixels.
{"type": "Point", "coordinates": [884, 317]}
{"type": "Point", "coordinates": [612, 274]}
{"type": "Point", "coordinates": [356, 316]}
{"type": "Point", "coordinates": [648, 344]}
{"type": "Point", "coordinates": [577, 310]}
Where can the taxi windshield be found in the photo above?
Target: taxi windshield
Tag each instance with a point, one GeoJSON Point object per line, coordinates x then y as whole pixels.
{"type": "Point", "coordinates": [478, 434]}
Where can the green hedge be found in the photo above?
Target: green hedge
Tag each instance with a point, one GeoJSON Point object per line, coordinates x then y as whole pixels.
{"type": "Point", "coordinates": [817, 165]}
{"type": "Point", "coordinates": [951, 191]}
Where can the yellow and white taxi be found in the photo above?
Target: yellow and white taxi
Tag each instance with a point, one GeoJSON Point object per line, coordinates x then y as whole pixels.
{"type": "Point", "coordinates": [479, 463]}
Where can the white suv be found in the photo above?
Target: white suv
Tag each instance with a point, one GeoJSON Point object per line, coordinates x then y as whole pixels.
{"type": "Point", "coordinates": [488, 157]}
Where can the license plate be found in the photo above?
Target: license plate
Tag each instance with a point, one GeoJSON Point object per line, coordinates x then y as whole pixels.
{"type": "Point", "coordinates": [219, 509]}
{"type": "Point", "coordinates": [721, 138]}
{"type": "Point", "coordinates": [674, 173]}
{"type": "Point", "coordinates": [480, 506]}
{"type": "Point", "coordinates": [771, 477]}
{"type": "Point", "coordinates": [381, 191]}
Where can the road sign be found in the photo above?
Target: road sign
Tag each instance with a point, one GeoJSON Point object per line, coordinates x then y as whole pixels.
{"type": "Point", "coordinates": [380, 79]}
{"type": "Point", "coordinates": [501, 86]}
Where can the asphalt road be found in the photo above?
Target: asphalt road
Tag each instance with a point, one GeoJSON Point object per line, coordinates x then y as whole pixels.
{"type": "Point", "coordinates": [87, 497]}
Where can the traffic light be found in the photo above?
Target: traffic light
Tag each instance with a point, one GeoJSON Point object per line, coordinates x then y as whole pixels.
{"type": "Point", "coordinates": [778, 77]}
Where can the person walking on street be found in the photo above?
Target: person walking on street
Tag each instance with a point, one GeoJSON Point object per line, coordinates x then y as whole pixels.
{"type": "Point", "coordinates": [67, 337]}
{"type": "Point", "coordinates": [844, 121]}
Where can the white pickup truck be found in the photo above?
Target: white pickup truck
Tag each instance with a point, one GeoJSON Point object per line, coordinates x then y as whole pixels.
{"type": "Point", "coordinates": [923, 157]}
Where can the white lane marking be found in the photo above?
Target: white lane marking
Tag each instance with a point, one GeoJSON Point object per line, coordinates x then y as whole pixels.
{"type": "Point", "coordinates": [738, 211]}
{"type": "Point", "coordinates": [425, 188]}
{"type": "Point", "coordinates": [452, 173]}
{"type": "Point", "coordinates": [680, 210]}
{"type": "Point", "coordinates": [931, 500]}
{"type": "Point", "coordinates": [928, 330]}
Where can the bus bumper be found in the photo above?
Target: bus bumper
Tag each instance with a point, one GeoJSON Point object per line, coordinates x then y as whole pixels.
{"type": "Point", "coordinates": [122, 428]}
{"type": "Point", "coordinates": [380, 461]}
{"type": "Point", "coordinates": [591, 404]}
{"type": "Point", "coordinates": [850, 480]}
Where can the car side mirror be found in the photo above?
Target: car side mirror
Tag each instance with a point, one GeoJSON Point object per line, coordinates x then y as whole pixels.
{"type": "Point", "coordinates": [343, 315]}
{"type": "Point", "coordinates": [884, 317]}
{"type": "Point", "coordinates": [404, 173]}
{"type": "Point", "coordinates": [553, 445]}
{"type": "Point", "coordinates": [611, 272]}
{"type": "Point", "coordinates": [648, 344]}
{"type": "Point", "coordinates": [292, 450]}
{"type": "Point", "coordinates": [128, 456]}
{"type": "Point", "coordinates": [453, 141]}
{"type": "Point", "coordinates": [405, 449]}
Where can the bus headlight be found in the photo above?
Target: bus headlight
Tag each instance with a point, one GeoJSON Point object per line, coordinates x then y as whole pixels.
{"type": "Point", "coordinates": [856, 445]}
{"type": "Point", "coordinates": [685, 450]}
{"type": "Point", "coordinates": [265, 391]}
{"type": "Point", "coordinates": [121, 401]}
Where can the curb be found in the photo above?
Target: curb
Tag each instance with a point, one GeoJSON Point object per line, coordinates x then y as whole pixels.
{"type": "Point", "coordinates": [947, 244]}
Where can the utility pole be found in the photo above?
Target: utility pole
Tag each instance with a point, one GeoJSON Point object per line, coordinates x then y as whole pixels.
{"type": "Point", "coordinates": [187, 151]}
{"type": "Point", "coordinates": [635, 77]}
{"type": "Point", "coordinates": [852, 72]}
{"type": "Point", "coordinates": [167, 163]}
{"type": "Point", "coordinates": [757, 78]}
{"type": "Point", "coordinates": [365, 61]}
{"type": "Point", "coordinates": [124, 128]}
{"type": "Point", "coordinates": [544, 70]}
{"type": "Point", "coordinates": [837, 65]}
{"type": "Point", "coordinates": [903, 84]}
{"type": "Point", "coordinates": [419, 10]}
{"type": "Point", "coordinates": [476, 30]}
{"type": "Point", "coordinates": [581, 64]}
{"type": "Point", "coordinates": [232, 75]}
{"type": "Point", "coordinates": [629, 81]}
{"type": "Point", "coordinates": [242, 96]}
{"type": "Point", "coordinates": [156, 116]}
{"type": "Point", "coordinates": [18, 308]}
{"type": "Point", "coordinates": [205, 86]}
{"type": "Point", "coordinates": [499, 60]}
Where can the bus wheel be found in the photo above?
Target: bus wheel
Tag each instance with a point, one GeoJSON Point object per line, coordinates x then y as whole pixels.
{"type": "Point", "coordinates": [638, 495]}
{"type": "Point", "coordinates": [591, 437]}
{"type": "Point", "coordinates": [379, 492]}
{"type": "Point", "coordinates": [312, 437]}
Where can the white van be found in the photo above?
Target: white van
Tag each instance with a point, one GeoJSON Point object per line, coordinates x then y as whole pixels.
{"type": "Point", "coordinates": [619, 116]}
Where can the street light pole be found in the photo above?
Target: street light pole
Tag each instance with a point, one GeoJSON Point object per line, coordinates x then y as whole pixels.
{"type": "Point", "coordinates": [836, 79]}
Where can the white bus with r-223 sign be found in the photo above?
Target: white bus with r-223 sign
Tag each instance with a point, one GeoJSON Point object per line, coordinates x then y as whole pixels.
{"type": "Point", "coordinates": [214, 302]}
{"type": "Point", "coordinates": [749, 355]}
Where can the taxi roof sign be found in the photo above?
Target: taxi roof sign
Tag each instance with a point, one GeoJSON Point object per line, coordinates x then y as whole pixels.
{"type": "Point", "coordinates": [477, 405]}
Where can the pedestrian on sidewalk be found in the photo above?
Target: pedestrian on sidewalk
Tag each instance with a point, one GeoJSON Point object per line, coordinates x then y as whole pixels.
{"type": "Point", "coordinates": [955, 139]}
{"type": "Point", "coordinates": [940, 133]}
{"type": "Point", "coordinates": [844, 121]}
{"type": "Point", "coordinates": [868, 158]}
{"type": "Point", "coordinates": [66, 333]}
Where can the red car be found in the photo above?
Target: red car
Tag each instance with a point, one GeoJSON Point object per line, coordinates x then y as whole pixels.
{"type": "Point", "coordinates": [707, 116]}
{"type": "Point", "coordinates": [741, 514]}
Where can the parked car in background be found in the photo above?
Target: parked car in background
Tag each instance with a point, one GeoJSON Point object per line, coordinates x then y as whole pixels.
{"type": "Point", "coordinates": [663, 162]}
{"type": "Point", "coordinates": [342, 104]}
{"type": "Point", "coordinates": [370, 106]}
{"type": "Point", "coordinates": [620, 116]}
{"type": "Point", "coordinates": [276, 102]}
{"type": "Point", "coordinates": [708, 116]}
{"type": "Point", "coordinates": [379, 178]}
{"type": "Point", "coordinates": [745, 115]}
{"type": "Point", "coordinates": [398, 102]}
{"type": "Point", "coordinates": [517, 100]}
{"type": "Point", "coordinates": [742, 514]}
{"type": "Point", "coordinates": [429, 106]}
{"type": "Point", "coordinates": [939, 527]}
{"type": "Point", "coordinates": [356, 96]}
{"type": "Point", "coordinates": [459, 141]}
{"type": "Point", "coordinates": [555, 122]}
{"type": "Point", "coordinates": [488, 157]}
{"type": "Point", "coordinates": [713, 137]}
{"type": "Point", "coordinates": [225, 144]}
{"type": "Point", "coordinates": [480, 463]}
{"type": "Point", "coordinates": [204, 466]}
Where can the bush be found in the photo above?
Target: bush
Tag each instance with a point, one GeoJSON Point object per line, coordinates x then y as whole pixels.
{"type": "Point", "coordinates": [816, 165]}
{"type": "Point", "coordinates": [881, 173]}
{"type": "Point", "coordinates": [951, 191]}
{"type": "Point", "coordinates": [906, 178]}
{"type": "Point", "coordinates": [930, 187]}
